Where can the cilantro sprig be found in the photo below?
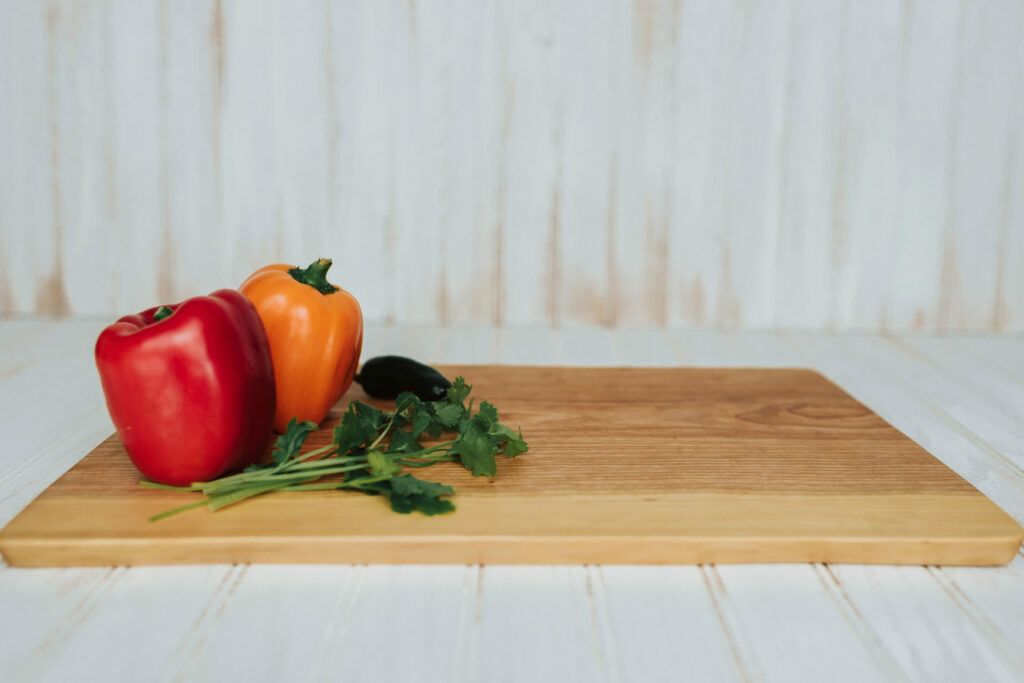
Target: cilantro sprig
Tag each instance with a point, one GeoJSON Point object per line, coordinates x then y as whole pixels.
{"type": "Point", "coordinates": [370, 453]}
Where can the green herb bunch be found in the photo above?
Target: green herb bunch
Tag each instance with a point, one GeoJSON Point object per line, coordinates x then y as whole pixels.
{"type": "Point", "coordinates": [370, 452]}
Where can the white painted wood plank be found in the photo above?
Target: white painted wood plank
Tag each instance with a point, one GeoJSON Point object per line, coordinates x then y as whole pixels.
{"type": "Point", "coordinates": [645, 346]}
{"type": "Point", "coordinates": [199, 137]}
{"type": "Point", "coordinates": [594, 68]}
{"type": "Point", "coordinates": [473, 96]}
{"type": "Point", "coordinates": [42, 608]}
{"type": "Point", "coordinates": [1009, 304]}
{"type": "Point", "coordinates": [30, 193]}
{"type": "Point", "coordinates": [870, 167]}
{"type": "Point", "coordinates": [123, 624]}
{"type": "Point", "coordinates": [418, 173]}
{"type": "Point", "coordinates": [991, 397]}
{"type": "Point", "coordinates": [82, 159]}
{"type": "Point", "coordinates": [810, 224]}
{"type": "Point", "coordinates": [928, 633]}
{"type": "Point", "coordinates": [49, 378]}
{"type": "Point", "coordinates": [992, 601]}
{"type": "Point", "coordinates": [547, 617]}
{"type": "Point", "coordinates": [768, 610]}
{"type": "Point", "coordinates": [420, 342]}
{"type": "Point", "coordinates": [355, 623]}
{"type": "Point", "coordinates": [741, 90]}
{"type": "Point", "coordinates": [698, 196]}
{"type": "Point", "coordinates": [299, 67]}
{"type": "Point", "coordinates": [137, 205]}
{"type": "Point", "coordinates": [982, 150]}
{"type": "Point", "coordinates": [531, 254]}
{"type": "Point", "coordinates": [530, 345]}
{"type": "Point", "coordinates": [363, 104]}
{"type": "Point", "coordinates": [814, 165]}
{"type": "Point", "coordinates": [470, 344]}
{"type": "Point", "coordinates": [589, 345]}
{"type": "Point", "coordinates": [691, 640]}
{"type": "Point", "coordinates": [1002, 356]}
{"type": "Point", "coordinates": [928, 99]}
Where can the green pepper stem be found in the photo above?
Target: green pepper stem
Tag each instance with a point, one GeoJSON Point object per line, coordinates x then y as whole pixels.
{"type": "Point", "coordinates": [161, 313]}
{"type": "Point", "coordinates": [315, 275]}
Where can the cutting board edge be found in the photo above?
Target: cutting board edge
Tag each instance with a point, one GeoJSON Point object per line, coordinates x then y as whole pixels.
{"type": "Point", "coordinates": [559, 550]}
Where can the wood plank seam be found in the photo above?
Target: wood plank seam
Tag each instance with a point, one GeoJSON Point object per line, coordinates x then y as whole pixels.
{"type": "Point", "coordinates": [333, 632]}
{"type": "Point", "coordinates": [872, 641]}
{"type": "Point", "coordinates": [604, 643]}
{"type": "Point", "coordinates": [196, 636]}
{"type": "Point", "coordinates": [463, 662]}
{"type": "Point", "coordinates": [82, 611]}
{"type": "Point", "coordinates": [746, 666]}
{"type": "Point", "coordinates": [1007, 646]}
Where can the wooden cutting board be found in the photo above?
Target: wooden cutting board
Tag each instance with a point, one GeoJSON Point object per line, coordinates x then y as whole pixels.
{"type": "Point", "coordinates": [626, 466]}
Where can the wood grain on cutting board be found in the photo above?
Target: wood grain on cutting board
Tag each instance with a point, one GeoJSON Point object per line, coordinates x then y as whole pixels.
{"type": "Point", "coordinates": [680, 465]}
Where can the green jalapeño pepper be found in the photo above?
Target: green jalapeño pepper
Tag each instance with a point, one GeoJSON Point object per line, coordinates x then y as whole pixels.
{"type": "Point", "coordinates": [190, 387]}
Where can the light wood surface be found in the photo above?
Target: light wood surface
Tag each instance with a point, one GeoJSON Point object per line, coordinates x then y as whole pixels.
{"type": "Point", "coordinates": [627, 466]}
{"type": "Point", "coordinates": [818, 165]}
{"type": "Point", "coordinates": [958, 397]}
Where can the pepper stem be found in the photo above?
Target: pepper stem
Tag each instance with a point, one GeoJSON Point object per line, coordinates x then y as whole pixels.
{"type": "Point", "coordinates": [315, 275]}
{"type": "Point", "coordinates": [162, 313]}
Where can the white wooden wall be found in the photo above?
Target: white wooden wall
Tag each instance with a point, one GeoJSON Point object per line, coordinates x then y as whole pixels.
{"type": "Point", "coordinates": [812, 164]}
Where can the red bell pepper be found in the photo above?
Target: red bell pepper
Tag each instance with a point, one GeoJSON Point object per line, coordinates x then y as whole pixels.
{"type": "Point", "coordinates": [190, 387]}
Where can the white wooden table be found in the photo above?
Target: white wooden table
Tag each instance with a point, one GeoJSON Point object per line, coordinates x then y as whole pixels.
{"type": "Point", "coordinates": [961, 398]}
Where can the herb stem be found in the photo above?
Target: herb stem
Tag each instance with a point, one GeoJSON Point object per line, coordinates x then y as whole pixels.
{"type": "Point", "coordinates": [428, 462]}
{"type": "Point", "coordinates": [305, 456]}
{"type": "Point", "coordinates": [238, 496]}
{"type": "Point", "coordinates": [387, 428]}
{"type": "Point", "coordinates": [183, 508]}
{"type": "Point", "coordinates": [286, 478]}
{"type": "Point", "coordinates": [328, 462]}
{"type": "Point", "coordinates": [165, 487]}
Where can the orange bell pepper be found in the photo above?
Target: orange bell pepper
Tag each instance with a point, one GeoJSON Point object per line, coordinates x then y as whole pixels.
{"type": "Point", "coordinates": [315, 331]}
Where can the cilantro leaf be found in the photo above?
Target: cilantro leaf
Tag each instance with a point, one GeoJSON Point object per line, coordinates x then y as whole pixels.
{"type": "Point", "coordinates": [516, 446]}
{"type": "Point", "coordinates": [408, 485]}
{"type": "Point", "coordinates": [409, 493]}
{"type": "Point", "coordinates": [360, 425]}
{"type": "Point", "coordinates": [371, 417]}
{"type": "Point", "coordinates": [289, 443]}
{"type": "Point", "coordinates": [404, 442]}
{"type": "Point", "coordinates": [425, 504]}
{"type": "Point", "coordinates": [458, 391]}
{"type": "Point", "coordinates": [420, 421]}
{"type": "Point", "coordinates": [448, 414]}
{"type": "Point", "coordinates": [504, 432]}
{"type": "Point", "coordinates": [406, 400]}
{"type": "Point", "coordinates": [351, 433]}
{"type": "Point", "coordinates": [488, 412]}
{"type": "Point", "coordinates": [381, 465]}
{"type": "Point", "coordinates": [476, 449]}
